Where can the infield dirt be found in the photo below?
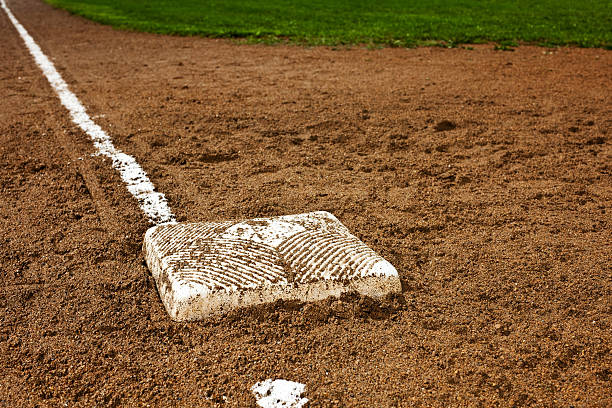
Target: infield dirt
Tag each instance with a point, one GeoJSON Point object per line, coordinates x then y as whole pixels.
{"type": "Point", "coordinates": [484, 176]}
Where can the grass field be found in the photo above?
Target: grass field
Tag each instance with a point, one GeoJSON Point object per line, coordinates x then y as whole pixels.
{"type": "Point", "coordinates": [384, 22]}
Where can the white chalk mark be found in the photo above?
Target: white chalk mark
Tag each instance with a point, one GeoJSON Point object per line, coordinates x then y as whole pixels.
{"type": "Point", "coordinates": [279, 394]}
{"type": "Point", "coordinates": [152, 203]}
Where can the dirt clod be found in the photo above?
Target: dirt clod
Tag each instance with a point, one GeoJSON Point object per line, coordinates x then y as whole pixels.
{"type": "Point", "coordinates": [445, 125]}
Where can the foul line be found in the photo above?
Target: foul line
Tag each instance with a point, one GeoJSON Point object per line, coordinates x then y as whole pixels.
{"type": "Point", "coordinates": [153, 204]}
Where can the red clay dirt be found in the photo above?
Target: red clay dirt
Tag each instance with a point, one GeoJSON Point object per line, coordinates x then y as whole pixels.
{"type": "Point", "coordinates": [484, 176]}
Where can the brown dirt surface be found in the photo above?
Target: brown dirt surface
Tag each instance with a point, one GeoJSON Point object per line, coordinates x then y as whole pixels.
{"type": "Point", "coordinates": [484, 176]}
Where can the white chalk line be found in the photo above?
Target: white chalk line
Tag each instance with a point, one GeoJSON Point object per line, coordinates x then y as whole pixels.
{"type": "Point", "coordinates": [152, 203]}
{"type": "Point", "coordinates": [278, 393]}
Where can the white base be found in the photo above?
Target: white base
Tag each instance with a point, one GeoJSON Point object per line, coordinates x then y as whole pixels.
{"type": "Point", "coordinates": [204, 269]}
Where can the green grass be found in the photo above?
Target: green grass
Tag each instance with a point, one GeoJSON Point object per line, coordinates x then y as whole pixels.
{"type": "Point", "coordinates": [585, 23]}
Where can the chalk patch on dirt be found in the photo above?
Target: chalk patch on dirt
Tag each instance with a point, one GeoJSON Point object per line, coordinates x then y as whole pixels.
{"type": "Point", "coordinates": [279, 394]}
{"type": "Point", "coordinates": [152, 203]}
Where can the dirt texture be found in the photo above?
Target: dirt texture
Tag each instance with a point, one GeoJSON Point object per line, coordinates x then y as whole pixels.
{"type": "Point", "coordinates": [484, 176]}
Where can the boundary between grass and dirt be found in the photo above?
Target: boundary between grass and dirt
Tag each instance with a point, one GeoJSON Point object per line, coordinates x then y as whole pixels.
{"type": "Point", "coordinates": [388, 23]}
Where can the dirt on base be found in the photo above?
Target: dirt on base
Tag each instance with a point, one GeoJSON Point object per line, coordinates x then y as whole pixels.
{"type": "Point", "coordinates": [484, 176]}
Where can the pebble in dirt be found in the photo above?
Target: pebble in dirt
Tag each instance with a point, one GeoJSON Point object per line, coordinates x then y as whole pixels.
{"type": "Point", "coordinates": [209, 268]}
